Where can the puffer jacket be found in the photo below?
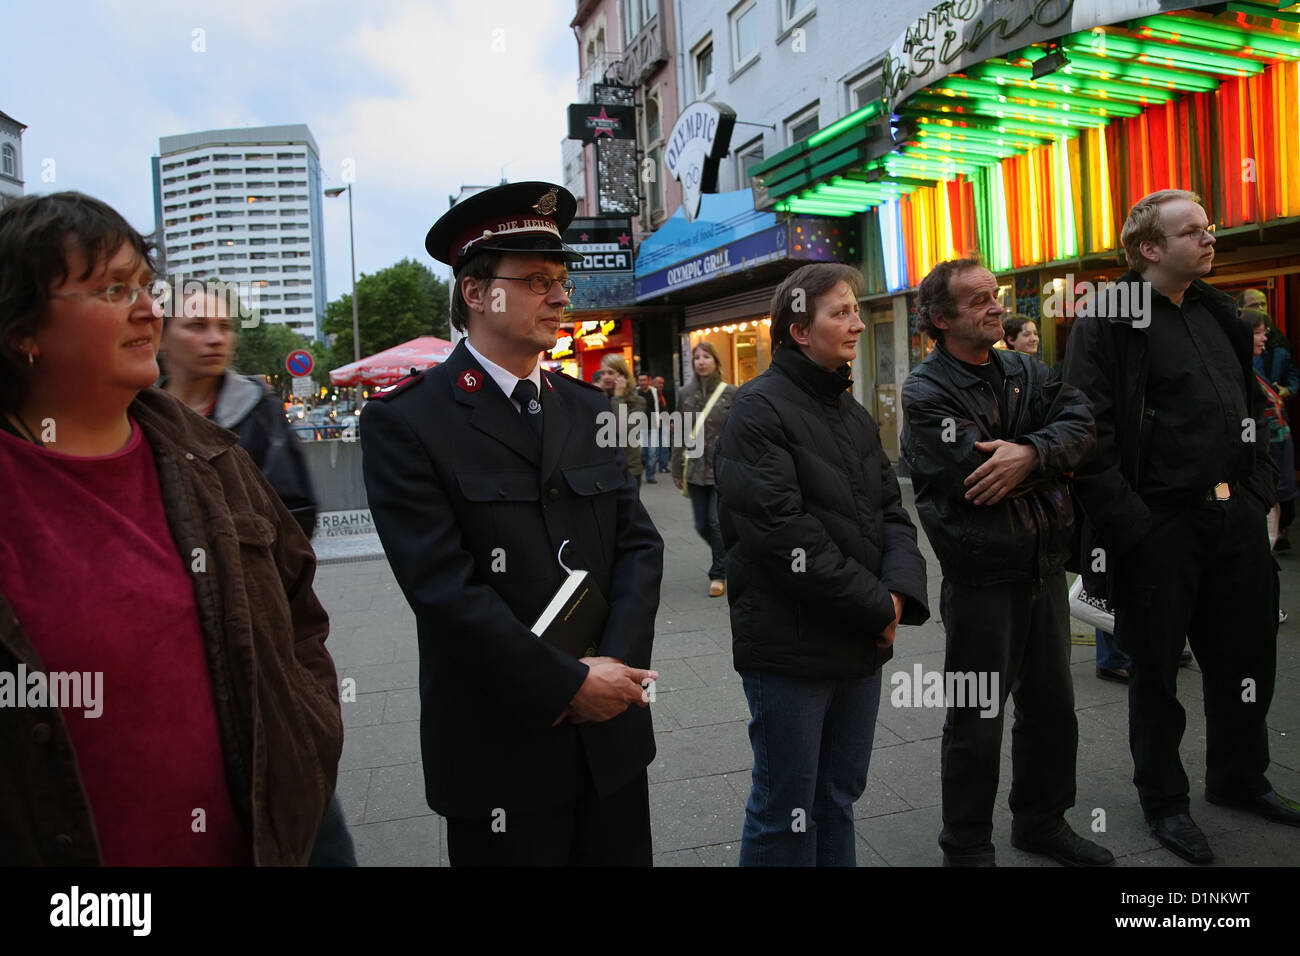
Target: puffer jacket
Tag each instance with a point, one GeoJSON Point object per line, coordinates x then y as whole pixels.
{"type": "Point", "coordinates": [273, 682]}
{"type": "Point", "coordinates": [814, 524]}
{"type": "Point", "coordinates": [946, 409]}
{"type": "Point", "coordinates": [699, 469]}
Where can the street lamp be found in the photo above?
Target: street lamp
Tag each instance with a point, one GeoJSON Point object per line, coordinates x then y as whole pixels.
{"type": "Point", "coordinates": [356, 330]}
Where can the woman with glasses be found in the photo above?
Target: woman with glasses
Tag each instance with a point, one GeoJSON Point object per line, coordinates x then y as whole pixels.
{"type": "Point", "coordinates": [154, 578]}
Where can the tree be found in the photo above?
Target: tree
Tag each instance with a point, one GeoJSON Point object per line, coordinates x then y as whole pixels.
{"type": "Point", "coordinates": [262, 349]}
{"type": "Point", "coordinates": [395, 305]}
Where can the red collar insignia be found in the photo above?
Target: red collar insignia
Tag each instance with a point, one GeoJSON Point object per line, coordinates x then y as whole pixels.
{"type": "Point", "coordinates": [471, 380]}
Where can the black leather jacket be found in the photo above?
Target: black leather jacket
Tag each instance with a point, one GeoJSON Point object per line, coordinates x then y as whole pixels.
{"type": "Point", "coordinates": [946, 410]}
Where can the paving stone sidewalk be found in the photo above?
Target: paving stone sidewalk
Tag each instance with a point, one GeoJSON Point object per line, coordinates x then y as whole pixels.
{"type": "Point", "coordinates": [700, 779]}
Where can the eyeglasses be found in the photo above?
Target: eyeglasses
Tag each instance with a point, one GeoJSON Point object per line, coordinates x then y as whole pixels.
{"type": "Point", "coordinates": [541, 284]}
{"type": "Point", "coordinates": [1195, 233]}
{"type": "Point", "coordinates": [118, 293]}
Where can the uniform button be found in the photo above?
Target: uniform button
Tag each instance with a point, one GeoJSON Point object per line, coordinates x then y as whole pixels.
{"type": "Point", "coordinates": [189, 456]}
{"type": "Point", "coordinates": [63, 841]}
{"type": "Point", "coordinates": [501, 492]}
{"type": "Point", "coordinates": [42, 733]}
{"type": "Point", "coordinates": [600, 486]}
{"type": "Point", "coordinates": [554, 492]}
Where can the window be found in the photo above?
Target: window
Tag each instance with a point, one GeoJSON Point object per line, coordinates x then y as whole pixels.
{"type": "Point", "coordinates": [795, 11]}
{"type": "Point", "coordinates": [9, 161]}
{"type": "Point", "coordinates": [746, 156]}
{"type": "Point", "coordinates": [744, 34]}
{"type": "Point", "coordinates": [802, 125]}
{"type": "Point", "coordinates": [864, 88]}
{"type": "Point", "coordinates": [703, 59]}
{"type": "Point", "coordinates": [630, 15]}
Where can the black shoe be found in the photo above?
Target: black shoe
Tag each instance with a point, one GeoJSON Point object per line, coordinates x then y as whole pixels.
{"type": "Point", "coordinates": [1068, 849]}
{"type": "Point", "coordinates": [1183, 836]}
{"type": "Point", "coordinates": [1271, 806]}
{"type": "Point", "coordinates": [1117, 674]}
{"type": "Point", "coordinates": [651, 481]}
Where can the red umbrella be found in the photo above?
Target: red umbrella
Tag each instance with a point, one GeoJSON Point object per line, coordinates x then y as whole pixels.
{"type": "Point", "coordinates": [386, 367]}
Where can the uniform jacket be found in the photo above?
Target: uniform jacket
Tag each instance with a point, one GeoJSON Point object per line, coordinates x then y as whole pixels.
{"type": "Point", "coordinates": [946, 409]}
{"type": "Point", "coordinates": [276, 696]}
{"type": "Point", "coordinates": [249, 409]}
{"type": "Point", "coordinates": [472, 514]}
{"type": "Point", "coordinates": [814, 525]}
{"type": "Point", "coordinates": [1107, 360]}
{"type": "Point", "coordinates": [699, 470]}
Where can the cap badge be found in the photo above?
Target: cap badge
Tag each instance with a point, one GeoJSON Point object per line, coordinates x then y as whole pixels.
{"type": "Point", "coordinates": [549, 202]}
{"type": "Point", "coordinates": [471, 381]}
{"type": "Point", "coordinates": [534, 406]}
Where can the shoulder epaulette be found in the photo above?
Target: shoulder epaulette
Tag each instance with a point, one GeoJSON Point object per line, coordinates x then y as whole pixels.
{"type": "Point", "coordinates": [401, 385]}
{"type": "Point", "coordinates": [575, 381]}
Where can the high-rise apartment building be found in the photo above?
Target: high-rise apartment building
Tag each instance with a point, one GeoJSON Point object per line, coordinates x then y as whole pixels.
{"type": "Point", "coordinates": [244, 205]}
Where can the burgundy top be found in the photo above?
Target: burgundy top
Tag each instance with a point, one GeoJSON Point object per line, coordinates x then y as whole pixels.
{"type": "Point", "coordinates": [89, 564]}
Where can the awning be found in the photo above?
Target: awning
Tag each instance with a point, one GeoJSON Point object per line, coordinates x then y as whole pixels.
{"type": "Point", "coordinates": [997, 109]}
{"type": "Point", "coordinates": [386, 367]}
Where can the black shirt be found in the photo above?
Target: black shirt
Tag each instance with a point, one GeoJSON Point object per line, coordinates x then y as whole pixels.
{"type": "Point", "coordinates": [991, 373]}
{"type": "Point", "coordinates": [1195, 403]}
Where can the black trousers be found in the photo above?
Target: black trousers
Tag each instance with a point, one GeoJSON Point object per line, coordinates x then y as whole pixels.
{"type": "Point", "coordinates": [1204, 571]}
{"type": "Point", "coordinates": [1020, 633]}
{"type": "Point", "coordinates": [590, 831]}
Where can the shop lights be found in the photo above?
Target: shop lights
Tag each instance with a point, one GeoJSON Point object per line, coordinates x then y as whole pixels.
{"type": "Point", "coordinates": [1003, 74]}
{"type": "Point", "coordinates": [1182, 29]}
{"type": "Point", "coordinates": [864, 115]}
{"type": "Point", "coordinates": [1115, 46]}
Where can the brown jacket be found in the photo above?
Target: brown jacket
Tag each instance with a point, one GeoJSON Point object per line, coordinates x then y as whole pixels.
{"type": "Point", "coordinates": [273, 682]}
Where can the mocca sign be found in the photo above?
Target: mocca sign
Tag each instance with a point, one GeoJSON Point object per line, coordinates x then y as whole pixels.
{"type": "Point", "coordinates": [956, 34]}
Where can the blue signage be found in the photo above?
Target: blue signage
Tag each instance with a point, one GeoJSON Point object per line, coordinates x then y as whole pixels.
{"type": "Point", "coordinates": [766, 246]}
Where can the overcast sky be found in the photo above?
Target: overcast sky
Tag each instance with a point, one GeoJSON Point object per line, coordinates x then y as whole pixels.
{"type": "Point", "coordinates": [422, 96]}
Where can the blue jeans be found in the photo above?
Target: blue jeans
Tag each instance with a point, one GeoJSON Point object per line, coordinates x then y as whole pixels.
{"type": "Point", "coordinates": [1109, 656]}
{"type": "Point", "coordinates": [812, 745]}
{"type": "Point", "coordinates": [704, 510]}
{"type": "Point", "coordinates": [648, 458]}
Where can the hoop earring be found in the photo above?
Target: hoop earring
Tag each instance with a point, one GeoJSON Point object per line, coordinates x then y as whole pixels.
{"type": "Point", "coordinates": [31, 359]}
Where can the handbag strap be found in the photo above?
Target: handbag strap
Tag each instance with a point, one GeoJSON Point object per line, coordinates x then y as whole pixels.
{"type": "Point", "coordinates": [708, 407]}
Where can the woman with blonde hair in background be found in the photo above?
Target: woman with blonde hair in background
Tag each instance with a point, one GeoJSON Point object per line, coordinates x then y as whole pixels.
{"type": "Point", "coordinates": [706, 399]}
{"type": "Point", "coordinates": [617, 381]}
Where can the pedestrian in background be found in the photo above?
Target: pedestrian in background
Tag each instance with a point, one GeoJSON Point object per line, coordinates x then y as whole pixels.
{"type": "Point", "coordinates": [654, 443]}
{"type": "Point", "coordinates": [666, 405]}
{"type": "Point", "coordinates": [198, 343]}
{"type": "Point", "coordinates": [1020, 333]}
{"type": "Point", "coordinates": [706, 398]}
{"type": "Point", "coordinates": [1276, 369]}
{"type": "Point", "coordinates": [616, 380]}
{"type": "Point", "coordinates": [1280, 445]}
{"type": "Point", "coordinates": [823, 566]}
{"type": "Point", "coordinates": [142, 544]}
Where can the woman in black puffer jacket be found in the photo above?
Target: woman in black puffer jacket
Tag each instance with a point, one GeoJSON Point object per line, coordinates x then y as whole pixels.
{"type": "Point", "coordinates": [822, 564]}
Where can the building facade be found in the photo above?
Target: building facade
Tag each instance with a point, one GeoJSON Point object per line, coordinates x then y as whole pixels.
{"type": "Point", "coordinates": [11, 157]}
{"type": "Point", "coordinates": [244, 205]}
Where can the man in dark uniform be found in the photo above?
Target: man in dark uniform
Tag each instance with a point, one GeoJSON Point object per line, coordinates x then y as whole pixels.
{"type": "Point", "coordinates": [487, 483]}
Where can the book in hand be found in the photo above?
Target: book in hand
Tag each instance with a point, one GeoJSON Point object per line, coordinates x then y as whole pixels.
{"type": "Point", "coordinates": [575, 619]}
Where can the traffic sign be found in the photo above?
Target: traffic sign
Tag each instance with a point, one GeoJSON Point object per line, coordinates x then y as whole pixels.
{"type": "Point", "coordinates": [299, 362]}
{"type": "Point", "coordinates": [302, 386]}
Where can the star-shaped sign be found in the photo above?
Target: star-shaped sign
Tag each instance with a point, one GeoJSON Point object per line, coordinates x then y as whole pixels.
{"type": "Point", "coordinates": [583, 237]}
{"type": "Point", "coordinates": [624, 239]}
{"type": "Point", "coordinates": [603, 124]}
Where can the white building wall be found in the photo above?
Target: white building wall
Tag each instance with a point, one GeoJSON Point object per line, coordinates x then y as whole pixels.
{"type": "Point", "coordinates": [804, 63]}
{"type": "Point", "coordinates": [11, 157]}
{"type": "Point", "coordinates": [243, 206]}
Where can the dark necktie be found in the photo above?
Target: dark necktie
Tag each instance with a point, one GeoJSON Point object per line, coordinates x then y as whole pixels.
{"type": "Point", "coordinates": [530, 408]}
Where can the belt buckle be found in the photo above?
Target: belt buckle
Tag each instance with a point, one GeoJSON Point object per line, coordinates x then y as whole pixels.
{"type": "Point", "coordinates": [1221, 492]}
